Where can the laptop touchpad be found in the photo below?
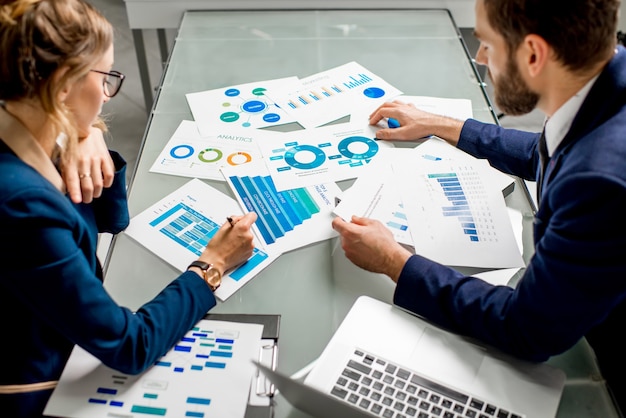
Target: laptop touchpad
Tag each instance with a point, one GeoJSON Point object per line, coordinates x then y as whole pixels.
{"type": "Point", "coordinates": [446, 356]}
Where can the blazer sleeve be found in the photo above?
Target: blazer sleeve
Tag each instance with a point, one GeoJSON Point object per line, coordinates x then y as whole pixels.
{"type": "Point", "coordinates": [111, 208]}
{"type": "Point", "coordinates": [46, 268]}
{"type": "Point", "coordinates": [509, 150]}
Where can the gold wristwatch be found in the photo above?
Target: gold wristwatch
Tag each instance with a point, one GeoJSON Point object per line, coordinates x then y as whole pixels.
{"type": "Point", "coordinates": [211, 275]}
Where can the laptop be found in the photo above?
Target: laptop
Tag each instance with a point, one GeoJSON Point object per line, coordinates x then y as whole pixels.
{"type": "Point", "coordinates": [385, 362]}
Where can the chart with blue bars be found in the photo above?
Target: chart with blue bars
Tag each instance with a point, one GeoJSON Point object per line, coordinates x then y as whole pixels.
{"type": "Point", "coordinates": [192, 230]}
{"type": "Point", "coordinates": [459, 203]}
{"type": "Point", "coordinates": [323, 91]}
{"type": "Point", "coordinates": [205, 354]}
{"type": "Point", "coordinates": [278, 212]}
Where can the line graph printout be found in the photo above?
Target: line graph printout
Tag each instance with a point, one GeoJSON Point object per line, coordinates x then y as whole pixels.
{"type": "Point", "coordinates": [240, 106]}
{"type": "Point", "coordinates": [179, 226]}
{"type": "Point", "coordinates": [321, 155]}
{"type": "Point", "coordinates": [457, 215]}
{"type": "Point", "coordinates": [189, 154]}
{"type": "Point", "coordinates": [286, 220]}
{"type": "Point", "coordinates": [332, 94]}
{"type": "Point", "coordinates": [207, 374]}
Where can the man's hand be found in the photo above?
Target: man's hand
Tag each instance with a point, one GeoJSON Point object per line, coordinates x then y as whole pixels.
{"type": "Point", "coordinates": [91, 170]}
{"type": "Point", "coordinates": [371, 246]}
{"type": "Point", "coordinates": [415, 123]}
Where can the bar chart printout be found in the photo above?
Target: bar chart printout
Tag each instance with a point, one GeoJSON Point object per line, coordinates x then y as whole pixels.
{"type": "Point", "coordinates": [206, 374]}
{"type": "Point", "coordinates": [178, 228]}
{"type": "Point", "coordinates": [457, 216]}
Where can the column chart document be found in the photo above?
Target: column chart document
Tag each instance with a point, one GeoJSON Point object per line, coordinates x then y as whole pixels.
{"type": "Point", "coordinates": [207, 374]}
{"type": "Point", "coordinates": [332, 94]}
{"type": "Point", "coordinates": [287, 219]}
{"type": "Point", "coordinates": [457, 215]}
{"type": "Point", "coordinates": [179, 226]}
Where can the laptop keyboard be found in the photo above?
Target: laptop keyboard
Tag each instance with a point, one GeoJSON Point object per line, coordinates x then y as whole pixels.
{"type": "Point", "coordinates": [387, 390]}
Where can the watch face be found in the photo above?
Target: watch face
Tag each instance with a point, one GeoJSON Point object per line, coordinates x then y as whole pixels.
{"type": "Point", "coordinates": [213, 278]}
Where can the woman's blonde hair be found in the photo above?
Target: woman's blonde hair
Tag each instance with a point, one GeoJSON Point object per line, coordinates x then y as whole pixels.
{"type": "Point", "coordinates": [39, 37]}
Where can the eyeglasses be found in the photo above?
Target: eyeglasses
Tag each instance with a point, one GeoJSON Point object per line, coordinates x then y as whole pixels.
{"type": "Point", "coordinates": [112, 83]}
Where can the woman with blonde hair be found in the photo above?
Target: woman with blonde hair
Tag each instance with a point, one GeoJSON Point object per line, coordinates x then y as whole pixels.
{"type": "Point", "coordinates": [60, 187]}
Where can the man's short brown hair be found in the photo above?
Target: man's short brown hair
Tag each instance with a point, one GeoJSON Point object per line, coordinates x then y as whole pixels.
{"type": "Point", "coordinates": [581, 32]}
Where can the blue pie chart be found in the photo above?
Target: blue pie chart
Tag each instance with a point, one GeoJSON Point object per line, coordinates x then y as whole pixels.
{"type": "Point", "coordinates": [318, 154]}
{"type": "Point", "coordinates": [372, 148]}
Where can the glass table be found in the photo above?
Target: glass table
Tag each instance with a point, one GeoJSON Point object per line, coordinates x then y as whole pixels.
{"type": "Point", "coordinates": [420, 52]}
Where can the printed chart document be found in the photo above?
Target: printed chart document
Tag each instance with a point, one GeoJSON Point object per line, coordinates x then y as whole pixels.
{"type": "Point", "coordinates": [190, 154]}
{"type": "Point", "coordinates": [332, 94]}
{"type": "Point", "coordinates": [287, 219]}
{"type": "Point", "coordinates": [321, 155]}
{"type": "Point", "coordinates": [207, 374]}
{"type": "Point", "coordinates": [457, 215]}
{"type": "Point", "coordinates": [241, 106]}
{"type": "Point", "coordinates": [374, 195]}
{"type": "Point", "coordinates": [178, 227]}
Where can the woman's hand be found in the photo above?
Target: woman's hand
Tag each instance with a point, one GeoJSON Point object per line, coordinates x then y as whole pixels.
{"type": "Point", "coordinates": [232, 244]}
{"type": "Point", "coordinates": [91, 170]}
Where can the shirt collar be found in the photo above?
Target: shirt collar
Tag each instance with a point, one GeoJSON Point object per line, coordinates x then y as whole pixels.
{"type": "Point", "coordinates": [557, 126]}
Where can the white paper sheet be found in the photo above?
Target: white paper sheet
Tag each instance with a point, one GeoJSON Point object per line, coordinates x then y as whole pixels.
{"type": "Point", "coordinates": [241, 106]}
{"type": "Point", "coordinates": [374, 195]}
{"type": "Point", "coordinates": [190, 154]}
{"type": "Point", "coordinates": [207, 374]}
{"type": "Point", "coordinates": [457, 215]}
{"type": "Point", "coordinates": [321, 155]}
{"type": "Point", "coordinates": [332, 94]}
{"type": "Point", "coordinates": [289, 219]}
{"type": "Point", "coordinates": [178, 227]}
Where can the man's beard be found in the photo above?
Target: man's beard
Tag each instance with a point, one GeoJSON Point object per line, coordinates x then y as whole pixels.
{"type": "Point", "coordinates": [513, 96]}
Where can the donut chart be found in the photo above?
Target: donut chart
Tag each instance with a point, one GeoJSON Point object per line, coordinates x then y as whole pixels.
{"type": "Point", "coordinates": [210, 155]}
{"type": "Point", "coordinates": [239, 158]}
{"type": "Point", "coordinates": [344, 148]}
{"type": "Point", "coordinates": [181, 151]}
{"type": "Point", "coordinates": [318, 154]}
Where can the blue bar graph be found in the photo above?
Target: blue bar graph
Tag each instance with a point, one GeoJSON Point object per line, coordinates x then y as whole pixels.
{"type": "Point", "coordinates": [460, 207]}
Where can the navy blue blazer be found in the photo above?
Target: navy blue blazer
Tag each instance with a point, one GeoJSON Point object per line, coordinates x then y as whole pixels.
{"type": "Point", "coordinates": [575, 283]}
{"type": "Point", "coordinates": [51, 293]}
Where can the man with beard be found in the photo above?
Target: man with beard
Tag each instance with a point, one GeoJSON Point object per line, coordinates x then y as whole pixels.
{"type": "Point", "coordinates": [561, 57]}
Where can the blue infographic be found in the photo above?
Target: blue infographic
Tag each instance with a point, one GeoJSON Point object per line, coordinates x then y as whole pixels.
{"type": "Point", "coordinates": [202, 376]}
{"type": "Point", "coordinates": [240, 106]}
{"type": "Point", "coordinates": [192, 230]}
{"type": "Point", "coordinates": [320, 155]}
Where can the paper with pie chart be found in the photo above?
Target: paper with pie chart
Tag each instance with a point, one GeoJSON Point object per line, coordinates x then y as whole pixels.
{"type": "Point", "coordinates": [321, 155]}
{"type": "Point", "coordinates": [332, 94]}
{"type": "Point", "coordinates": [189, 154]}
{"type": "Point", "coordinates": [240, 106]}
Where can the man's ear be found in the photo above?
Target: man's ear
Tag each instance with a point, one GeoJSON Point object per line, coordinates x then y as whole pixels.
{"type": "Point", "coordinates": [533, 55]}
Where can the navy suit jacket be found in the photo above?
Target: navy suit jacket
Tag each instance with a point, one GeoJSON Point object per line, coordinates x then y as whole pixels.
{"type": "Point", "coordinates": [575, 283]}
{"type": "Point", "coordinates": [51, 293]}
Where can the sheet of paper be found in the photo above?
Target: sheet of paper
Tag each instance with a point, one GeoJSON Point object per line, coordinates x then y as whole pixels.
{"type": "Point", "coordinates": [500, 277]}
{"type": "Point", "coordinates": [190, 154]}
{"type": "Point", "coordinates": [332, 94]}
{"type": "Point", "coordinates": [374, 195]}
{"type": "Point", "coordinates": [436, 149]}
{"type": "Point", "coordinates": [241, 106]}
{"type": "Point", "coordinates": [178, 227]}
{"type": "Point", "coordinates": [321, 155]}
{"type": "Point", "coordinates": [208, 373]}
{"type": "Point", "coordinates": [289, 219]}
{"type": "Point", "coordinates": [457, 215]}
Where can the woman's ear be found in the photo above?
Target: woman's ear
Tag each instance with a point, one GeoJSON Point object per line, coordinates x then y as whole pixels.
{"type": "Point", "coordinates": [57, 78]}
